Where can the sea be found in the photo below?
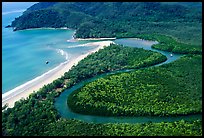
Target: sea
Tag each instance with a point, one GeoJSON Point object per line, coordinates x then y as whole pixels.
{"type": "Point", "coordinates": [25, 53]}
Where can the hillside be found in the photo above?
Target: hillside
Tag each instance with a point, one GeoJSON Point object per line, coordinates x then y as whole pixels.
{"type": "Point", "coordinates": [122, 89]}
{"type": "Point", "coordinates": [117, 19]}
{"type": "Point", "coordinates": [37, 115]}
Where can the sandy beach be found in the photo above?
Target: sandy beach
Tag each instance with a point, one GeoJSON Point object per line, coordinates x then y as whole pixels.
{"type": "Point", "coordinates": [24, 90]}
{"type": "Point", "coordinates": [48, 28]}
{"type": "Point", "coordinates": [89, 39]}
{"type": "Point", "coordinates": [95, 39]}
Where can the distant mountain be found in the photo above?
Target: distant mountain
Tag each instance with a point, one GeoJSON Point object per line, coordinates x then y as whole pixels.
{"type": "Point", "coordinates": [115, 19]}
{"type": "Point", "coordinates": [194, 5]}
{"type": "Point", "coordinates": [41, 5]}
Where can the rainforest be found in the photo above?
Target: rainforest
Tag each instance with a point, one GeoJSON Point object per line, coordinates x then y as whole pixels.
{"type": "Point", "coordinates": [122, 81]}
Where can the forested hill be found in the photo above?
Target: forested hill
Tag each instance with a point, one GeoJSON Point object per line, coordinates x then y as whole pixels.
{"type": "Point", "coordinates": [117, 19]}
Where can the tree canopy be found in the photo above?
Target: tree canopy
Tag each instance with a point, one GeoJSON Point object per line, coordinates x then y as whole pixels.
{"type": "Point", "coordinates": [117, 19]}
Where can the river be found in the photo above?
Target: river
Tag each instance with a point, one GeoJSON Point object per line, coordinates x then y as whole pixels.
{"type": "Point", "coordinates": [65, 112]}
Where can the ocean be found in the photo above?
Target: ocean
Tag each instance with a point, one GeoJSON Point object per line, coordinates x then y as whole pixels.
{"type": "Point", "coordinates": [24, 53]}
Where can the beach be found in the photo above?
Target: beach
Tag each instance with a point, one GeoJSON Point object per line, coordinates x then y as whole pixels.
{"type": "Point", "coordinates": [95, 38]}
{"type": "Point", "coordinates": [24, 90]}
{"type": "Point", "coordinates": [88, 39]}
{"type": "Point", "coordinates": [48, 28]}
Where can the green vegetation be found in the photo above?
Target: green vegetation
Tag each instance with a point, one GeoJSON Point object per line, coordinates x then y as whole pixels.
{"type": "Point", "coordinates": [114, 57]}
{"type": "Point", "coordinates": [168, 43]}
{"type": "Point", "coordinates": [169, 90]}
{"type": "Point", "coordinates": [38, 110]}
{"type": "Point", "coordinates": [79, 128]}
{"type": "Point", "coordinates": [118, 19]}
{"type": "Point", "coordinates": [38, 19]}
{"type": "Point", "coordinates": [177, 86]}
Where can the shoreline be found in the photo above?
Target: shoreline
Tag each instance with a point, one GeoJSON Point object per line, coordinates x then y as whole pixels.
{"type": "Point", "coordinates": [89, 39]}
{"type": "Point", "coordinates": [48, 28]}
{"type": "Point", "coordinates": [24, 90]}
{"type": "Point", "coordinates": [80, 39]}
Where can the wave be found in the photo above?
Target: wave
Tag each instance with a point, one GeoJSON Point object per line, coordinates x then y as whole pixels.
{"type": "Point", "coordinates": [71, 40]}
{"type": "Point", "coordinates": [63, 53]}
{"type": "Point", "coordinates": [11, 93]}
{"type": "Point", "coordinates": [16, 11]}
{"type": "Point", "coordinates": [82, 45]}
{"type": "Point", "coordinates": [60, 51]}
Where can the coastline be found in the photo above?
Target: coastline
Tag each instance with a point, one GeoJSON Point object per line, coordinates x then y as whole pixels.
{"type": "Point", "coordinates": [88, 39]}
{"type": "Point", "coordinates": [80, 39]}
{"type": "Point", "coordinates": [49, 28]}
{"type": "Point", "coordinates": [24, 90]}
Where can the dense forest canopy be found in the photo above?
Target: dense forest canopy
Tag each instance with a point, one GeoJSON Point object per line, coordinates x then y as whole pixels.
{"type": "Point", "coordinates": [117, 19]}
{"type": "Point", "coordinates": [167, 43]}
{"type": "Point", "coordinates": [171, 89]}
{"type": "Point", "coordinates": [37, 115]}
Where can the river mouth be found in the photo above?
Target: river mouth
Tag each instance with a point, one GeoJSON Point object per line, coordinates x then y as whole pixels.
{"type": "Point", "coordinates": [65, 112]}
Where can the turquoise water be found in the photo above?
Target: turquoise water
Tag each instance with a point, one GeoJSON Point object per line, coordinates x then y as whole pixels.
{"type": "Point", "coordinates": [24, 53]}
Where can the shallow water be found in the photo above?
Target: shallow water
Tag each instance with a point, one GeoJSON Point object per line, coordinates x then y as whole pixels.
{"type": "Point", "coordinates": [24, 53]}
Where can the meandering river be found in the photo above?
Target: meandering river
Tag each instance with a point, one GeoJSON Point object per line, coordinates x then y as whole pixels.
{"type": "Point", "coordinates": [65, 112]}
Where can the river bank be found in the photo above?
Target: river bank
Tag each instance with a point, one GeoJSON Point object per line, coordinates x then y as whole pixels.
{"type": "Point", "coordinates": [61, 102]}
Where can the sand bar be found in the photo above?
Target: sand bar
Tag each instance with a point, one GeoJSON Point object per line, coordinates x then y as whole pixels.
{"type": "Point", "coordinates": [24, 90]}
{"type": "Point", "coordinates": [95, 38]}
{"type": "Point", "coordinates": [47, 28]}
{"type": "Point", "coordinates": [88, 39]}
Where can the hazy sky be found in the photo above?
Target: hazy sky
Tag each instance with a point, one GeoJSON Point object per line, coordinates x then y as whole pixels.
{"type": "Point", "coordinates": [13, 6]}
